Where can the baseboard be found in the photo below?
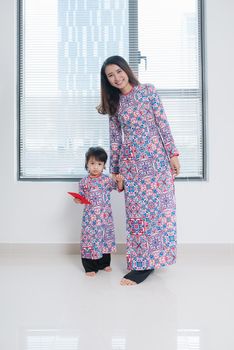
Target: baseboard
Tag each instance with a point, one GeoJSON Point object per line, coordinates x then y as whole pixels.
{"type": "Point", "coordinates": [205, 248]}
{"type": "Point", "coordinates": [74, 248]}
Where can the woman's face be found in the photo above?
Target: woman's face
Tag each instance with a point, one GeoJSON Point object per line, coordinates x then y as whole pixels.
{"type": "Point", "coordinates": [118, 78]}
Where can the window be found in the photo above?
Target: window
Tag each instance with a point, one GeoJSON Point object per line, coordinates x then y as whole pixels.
{"type": "Point", "coordinates": [62, 45]}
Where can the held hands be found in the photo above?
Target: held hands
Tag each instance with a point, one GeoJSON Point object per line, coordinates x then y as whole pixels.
{"type": "Point", "coordinates": [119, 179]}
{"type": "Point", "coordinates": [120, 182]}
{"type": "Point", "coordinates": [175, 165]}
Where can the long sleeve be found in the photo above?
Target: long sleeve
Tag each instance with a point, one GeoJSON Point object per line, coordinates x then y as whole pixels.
{"type": "Point", "coordinates": [112, 185]}
{"type": "Point", "coordinates": [162, 122]}
{"type": "Point", "coordinates": [81, 188]}
{"type": "Point", "coordinates": [115, 143]}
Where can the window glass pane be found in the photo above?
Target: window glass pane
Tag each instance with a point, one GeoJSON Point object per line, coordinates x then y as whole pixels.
{"type": "Point", "coordinates": [169, 45]}
{"type": "Point", "coordinates": [63, 45]}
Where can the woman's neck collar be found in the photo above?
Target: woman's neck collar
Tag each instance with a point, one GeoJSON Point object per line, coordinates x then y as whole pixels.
{"type": "Point", "coordinates": [128, 90]}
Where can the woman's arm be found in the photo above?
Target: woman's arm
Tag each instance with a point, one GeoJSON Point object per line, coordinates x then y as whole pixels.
{"type": "Point", "coordinates": [162, 122]}
{"type": "Point", "coordinates": [115, 143]}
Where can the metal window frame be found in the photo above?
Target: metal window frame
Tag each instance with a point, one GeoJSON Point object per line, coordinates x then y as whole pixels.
{"type": "Point", "coordinates": [134, 62]}
{"type": "Point", "coordinates": [134, 56]}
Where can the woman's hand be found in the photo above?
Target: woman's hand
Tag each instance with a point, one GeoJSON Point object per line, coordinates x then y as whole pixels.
{"type": "Point", "coordinates": [114, 176]}
{"type": "Point", "coordinates": [120, 182]}
{"type": "Point", "coordinates": [175, 165]}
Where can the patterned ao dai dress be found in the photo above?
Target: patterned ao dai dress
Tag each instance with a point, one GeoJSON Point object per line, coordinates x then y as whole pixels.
{"type": "Point", "coordinates": [97, 233]}
{"type": "Point", "coordinates": [141, 145]}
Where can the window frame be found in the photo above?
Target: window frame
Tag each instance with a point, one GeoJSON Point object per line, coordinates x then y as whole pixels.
{"type": "Point", "coordinates": [134, 62]}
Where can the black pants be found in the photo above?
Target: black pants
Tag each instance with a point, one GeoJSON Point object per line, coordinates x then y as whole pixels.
{"type": "Point", "coordinates": [138, 276]}
{"type": "Point", "coordinates": [91, 265]}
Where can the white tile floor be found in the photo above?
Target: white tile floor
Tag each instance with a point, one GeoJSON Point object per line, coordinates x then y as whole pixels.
{"type": "Point", "coordinates": [47, 303]}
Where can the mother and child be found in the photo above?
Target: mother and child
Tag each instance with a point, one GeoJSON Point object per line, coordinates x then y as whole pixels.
{"type": "Point", "coordinates": [143, 162]}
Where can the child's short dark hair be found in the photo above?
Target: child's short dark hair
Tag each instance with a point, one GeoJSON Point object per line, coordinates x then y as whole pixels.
{"type": "Point", "coordinates": [96, 152]}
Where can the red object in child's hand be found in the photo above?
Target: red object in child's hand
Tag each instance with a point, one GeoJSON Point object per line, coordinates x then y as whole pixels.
{"type": "Point", "coordinates": [81, 198]}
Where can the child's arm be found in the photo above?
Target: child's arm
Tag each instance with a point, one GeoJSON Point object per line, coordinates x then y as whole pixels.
{"type": "Point", "coordinates": [81, 192]}
{"type": "Point", "coordinates": [120, 182]}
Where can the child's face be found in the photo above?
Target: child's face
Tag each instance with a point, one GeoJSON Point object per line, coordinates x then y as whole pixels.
{"type": "Point", "coordinates": [95, 167]}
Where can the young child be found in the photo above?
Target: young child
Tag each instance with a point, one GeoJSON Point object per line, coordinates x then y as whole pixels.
{"type": "Point", "coordinates": [97, 233]}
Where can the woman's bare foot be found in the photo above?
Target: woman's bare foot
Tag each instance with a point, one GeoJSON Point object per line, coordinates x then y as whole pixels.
{"type": "Point", "coordinates": [108, 269]}
{"type": "Point", "coordinates": [91, 274]}
{"type": "Point", "coordinates": [126, 282]}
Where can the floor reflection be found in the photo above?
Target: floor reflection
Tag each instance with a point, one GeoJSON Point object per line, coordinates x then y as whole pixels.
{"type": "Point", "coordinates": [188, 339]}
{"type": "Point", "coordinates": [52, 339]}
{"type": "Point", "coordinates": [118, 343]}
{"type": "Point", "coordinates": [56, 339]}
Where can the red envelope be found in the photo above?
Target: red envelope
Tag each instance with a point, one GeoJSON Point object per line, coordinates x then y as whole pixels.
{"type": "Point", "coordinates": [77, 195]}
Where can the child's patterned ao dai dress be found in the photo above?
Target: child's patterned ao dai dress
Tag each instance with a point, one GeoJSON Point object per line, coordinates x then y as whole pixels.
{"type": "Point", "coordinates": [141, 145]}
{"type": "Point", "coordinates": [97, 234]}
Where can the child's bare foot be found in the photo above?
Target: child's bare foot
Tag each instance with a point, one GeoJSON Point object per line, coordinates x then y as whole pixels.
{"type": "Point", "coordinates": [126, 282]}
{"type": "Point", "coordinates": [91, 274]}
{"type": "Point", "coordinates": [108, 269]}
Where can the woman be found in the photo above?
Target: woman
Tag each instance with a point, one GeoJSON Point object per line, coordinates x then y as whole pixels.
{"type": "Point", "coordinates": [142, 149]}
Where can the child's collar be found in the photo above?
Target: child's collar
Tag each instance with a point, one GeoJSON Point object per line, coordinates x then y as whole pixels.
{"type": "Point", "coordinates": [94, 176]}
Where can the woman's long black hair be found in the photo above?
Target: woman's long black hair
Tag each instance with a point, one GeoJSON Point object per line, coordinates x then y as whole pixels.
{"type": "Point", "coordinates": [110, 94]}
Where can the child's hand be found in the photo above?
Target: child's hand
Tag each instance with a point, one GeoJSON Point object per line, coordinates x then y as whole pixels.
{"type": "Point", "coordinates": [77, 200]}
{"type": "Point", "coordinates": [119, 178]}
{"type": "Point", "coordinates": [114, 176]}
{"type": "Point", "coordinates": [120, 181]}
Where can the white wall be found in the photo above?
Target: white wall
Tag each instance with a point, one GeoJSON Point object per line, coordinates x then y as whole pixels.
{"type": "Point", "coordinates": [34, 212]}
